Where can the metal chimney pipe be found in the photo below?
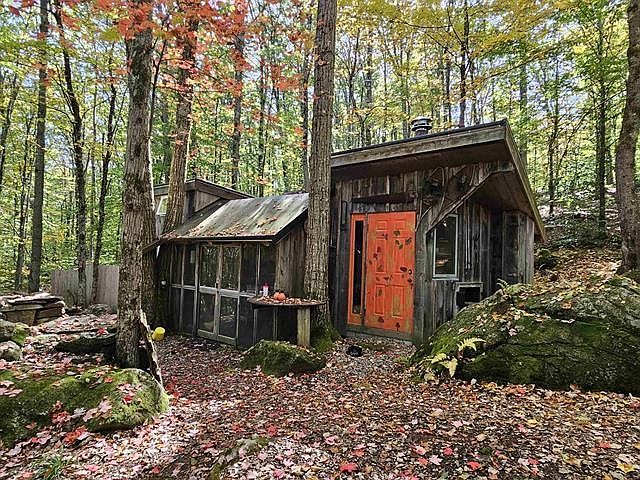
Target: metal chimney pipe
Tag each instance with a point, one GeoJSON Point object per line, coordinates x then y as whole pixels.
{"type": "Point", "coordinates": [420, 126]}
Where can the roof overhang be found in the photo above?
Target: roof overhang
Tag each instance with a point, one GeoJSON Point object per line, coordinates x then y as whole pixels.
{"type": "Point", "coordinates": [491, 142]}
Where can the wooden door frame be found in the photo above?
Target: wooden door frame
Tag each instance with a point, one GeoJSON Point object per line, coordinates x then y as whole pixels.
{"type": "Point", "coordinates": [355, 319]}
{"type": "Point", "coordinates": [358, 325]}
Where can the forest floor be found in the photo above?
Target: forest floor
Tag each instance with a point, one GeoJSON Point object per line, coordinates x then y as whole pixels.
{"type": "Point", "coordinates": [357, 418]}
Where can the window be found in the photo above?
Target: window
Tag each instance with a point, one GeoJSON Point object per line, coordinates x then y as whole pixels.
{"type": "Point", "coordinates": [176, 268]}
{"type": "Point", "coordinates": [249, 267]}
{"type": "Point", "coordinates": [208, 266]}
{"type": "Point", "coordinates": [190, 265]}
{"type": "Point", "coordinates": [267, 266]}
{"type": "Point", "coordinates": [445, 246]}
{"type": "Point", "coordinates": [162, 206]}
{"type": "Point", "coordinates": [230, 267]}
{"type": "Point", "coordinates": [358, 243]}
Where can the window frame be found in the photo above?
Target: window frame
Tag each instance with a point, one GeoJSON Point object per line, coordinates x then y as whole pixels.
{"type": "Point", "coordinates": [446, 276]}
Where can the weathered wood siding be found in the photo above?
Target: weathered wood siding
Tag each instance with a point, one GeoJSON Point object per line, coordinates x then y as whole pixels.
{"type": "Point", "coordinates": [480, 237]}
{"type": "Point", "coordinates": [65, 284]}
{"type": "Point", "coordinates": [517, 247]}
{"type": "Point", "coordinates": [290, 263]}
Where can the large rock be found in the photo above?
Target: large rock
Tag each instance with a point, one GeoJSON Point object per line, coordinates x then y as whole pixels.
{"type": "Point", "coordinates": [101, 398]}
{"type": "Point", "coordinates": [88, 343]}
{"type": "Point", "coordinates": [10, 351]}
{"type": "Point", "coordinates": [281, 358]}
{"type": "Point", "coordinates": [588, 336]}
{"type": "Point", "coordinates": [14, 332]}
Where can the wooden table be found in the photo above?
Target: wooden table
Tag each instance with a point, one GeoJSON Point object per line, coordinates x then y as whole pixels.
{"type": "Point", "coordinates": [303, 313]}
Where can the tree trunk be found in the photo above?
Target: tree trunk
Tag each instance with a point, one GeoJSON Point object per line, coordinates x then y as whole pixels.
{"type": "Point", "coordinates": [601, 156]}
{"type": "Point", "coordinates": [262, 94]}
{"type": "Point", "coordinates": [25, 177]}
{"type": "Point", "coordinates": [317, 246]}
{"type": "Point", "coordinates": [78, 161]}
{"type": "Point", "coordinates": [6, 124]}
{"type": "Point", "coordinates": [368, 92]}
{"type": "Point", "coordinates": [182, 134]}
{"type": "Point", "coordinates": [137, 200]}
{"type": "Point", "coordinates": [237, 110]}
{"type": "Point", "coordinates": [464, 52]}
{"type": "Point", "coordinates": [38, 188]}
{"type": "Point", "coordinates": [523, 100]}
{"type": "Point", "coordinates": [104, 185]}
{"type": "Point", "coordinates": [628, 196]}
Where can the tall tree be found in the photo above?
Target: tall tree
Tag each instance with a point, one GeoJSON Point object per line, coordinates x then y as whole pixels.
{"type": "Point", "coordinates": [38, 188]}
{"type": "Point", "coordinates": [77, 140]}
{"type": "Point", "coordinates": [182, 134]}
{"type": "Point", "coordinates": [7, 113]}
{"type": "Point", "coordinates": [628, 196]}
{"type": "Point", "coordinates": [137, 199]}
{"type": "Point", "coordinates": [107, 153]}
{"type": "Point", "coordinates": [238, 58]}
{"type": "Point", "coordinates": [317, 246]}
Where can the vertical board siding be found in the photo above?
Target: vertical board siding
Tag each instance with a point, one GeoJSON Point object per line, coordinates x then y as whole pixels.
{"type": "Point", "coordinates": [65, 284]}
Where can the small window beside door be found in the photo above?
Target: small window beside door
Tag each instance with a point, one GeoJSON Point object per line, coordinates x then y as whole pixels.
{"type": "Point", "coordinates": [445, 248]}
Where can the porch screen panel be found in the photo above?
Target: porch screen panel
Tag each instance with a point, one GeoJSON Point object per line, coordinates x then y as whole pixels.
{"type": "Point", "coordinates": [175, 306]}
{"type": "Point", "coordinates": [228, 315]}
{"type": "Point", "coordinates": [206, 309]}
{"type": "Point", "coordinates": [187, 310]}
{"type": "Point", "coordinates": [248, 273]}
{"type": "Point", "coordinates": [230, 267]}
{"type": "Point", "coordinates": [190, 265]}
{"type": "Point", "coordinates": [245, 323]}
{"type": "Point", "coordinates": [176, 276]}
{"type": "Point", "coordinates": [208, 266]}
{"type": "Point", "coordinates": [267, 266]}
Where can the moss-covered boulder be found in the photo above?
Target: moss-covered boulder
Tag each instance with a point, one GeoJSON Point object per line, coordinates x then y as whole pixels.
{"type": "Point", "coordinates": [281, 358]}
{"type": "Point", "coordinates": [88, 343]}
{"type": "Point", "coordinates": [10, 351]}
{"type": "Point", "coordinates": [13, 332]}
{"type": "Point", "coordinates": [102, 399]}
{"type": "Point", "coordinates": [587, 335]}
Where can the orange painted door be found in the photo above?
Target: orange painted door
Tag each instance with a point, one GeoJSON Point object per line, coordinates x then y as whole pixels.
{"type": "Point", "coordinates": [390, 264]}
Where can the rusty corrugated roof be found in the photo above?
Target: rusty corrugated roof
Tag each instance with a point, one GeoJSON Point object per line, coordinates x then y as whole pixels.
{"type": "Point", "coordinates": [247, 218]}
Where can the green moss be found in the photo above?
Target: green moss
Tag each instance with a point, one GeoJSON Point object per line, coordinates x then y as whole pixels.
{"type": "Point", "coordinates": [14, 332]}
{"type": "Point", "coordinates": [40, 394]}
{"type": "Point", "coordinates": [230, 456]}
{"type": "Point", "coordinates": [633, 275]}
{"type": "Point", "coordinates": [323, 337]}
{"type": "Point", "coordinates": [281, 358]}
{"type": "Point", "coordinates": [589, 336]}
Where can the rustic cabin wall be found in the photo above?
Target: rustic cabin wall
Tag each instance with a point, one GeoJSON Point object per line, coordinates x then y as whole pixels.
{"type": "Point", "coordinates": [473, 265]}
{"type": "Point", "coordinates": [290, 263]}
{"type": "Point", "coordinates": [388, 193]}
{"type": "Point", "coordinates": [517, 247]}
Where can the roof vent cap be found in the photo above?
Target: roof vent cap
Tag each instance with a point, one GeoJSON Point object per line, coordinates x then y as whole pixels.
{"type": "Point", "coordinates": [420, 126]}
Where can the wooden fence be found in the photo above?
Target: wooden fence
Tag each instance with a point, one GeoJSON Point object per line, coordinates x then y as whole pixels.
{"type": "Point", "coordinates": [65, 284]}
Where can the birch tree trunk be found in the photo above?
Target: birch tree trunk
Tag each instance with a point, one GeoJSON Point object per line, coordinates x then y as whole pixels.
{"type": "Point", "coordinates": [628, 196]}
{"type": "Point", "coordinates": [38, 188]}
{"type": "Point", "coordinates": [317, 246]}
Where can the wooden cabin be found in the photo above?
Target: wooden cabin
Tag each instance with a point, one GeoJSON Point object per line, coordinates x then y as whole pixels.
{"type": "Point", "coordinates": [198, 194]}
{"type": "Point", "coordinates": [420, 228]}
{"type": "Point", "coordinates": [424, 226]}
{"type": "Point", "coordinates": [223, 255]}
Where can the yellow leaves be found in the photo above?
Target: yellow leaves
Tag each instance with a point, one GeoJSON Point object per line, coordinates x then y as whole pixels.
{"type": "Point", "coordinates": [626, 467]}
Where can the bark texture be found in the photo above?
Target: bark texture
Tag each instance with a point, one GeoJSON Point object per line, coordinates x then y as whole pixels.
{"type": "Point", "coordinates": [317, 247]}
{"type": "Point", "coordinates": [137, 201]}
{"type": "Point", "coordinates": [38, 187]}
{"type": "Point", "coordinates": [7, 114]}
{"type": "Point", "coordinates": [628, 196]}
{"type": "Point", "coordinates": [177, 175]}
{"type": "Point", "coordinates": [237, 111]}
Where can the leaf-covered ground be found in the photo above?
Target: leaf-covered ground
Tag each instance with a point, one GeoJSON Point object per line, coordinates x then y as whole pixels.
{"type": "Point", "coordinates": [357, 418]}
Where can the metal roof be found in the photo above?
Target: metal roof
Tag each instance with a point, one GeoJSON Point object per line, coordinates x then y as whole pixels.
{"type": "Point", "coordinates": [261, 218]}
